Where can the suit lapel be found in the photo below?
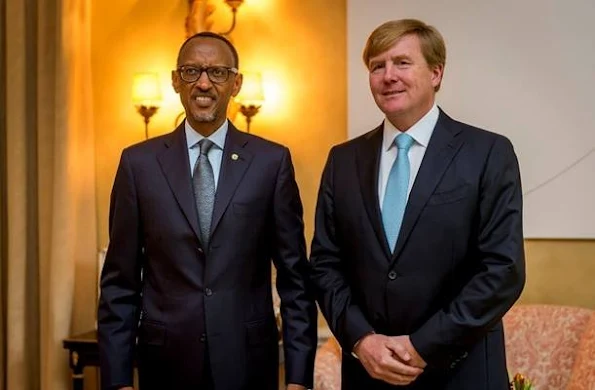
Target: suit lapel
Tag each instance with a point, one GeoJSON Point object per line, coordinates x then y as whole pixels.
{"type": "Point", "coordinates": [176, 168]}
{"type": "Point", "coordinates": [234, 163]}
{"type": "Point", "coordinates": [442, 148]}
{"type": "Point", "coordinates": [368, 160]}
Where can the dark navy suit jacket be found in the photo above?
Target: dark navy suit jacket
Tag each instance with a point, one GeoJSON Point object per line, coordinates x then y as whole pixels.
{"type": "Point", "coordinates": [193, 302]}
{"type": "Point", "coordinates": [457, 268]}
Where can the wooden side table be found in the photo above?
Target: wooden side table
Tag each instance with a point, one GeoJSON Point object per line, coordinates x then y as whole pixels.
{"type": "Point", "coordinates": [83, 351]}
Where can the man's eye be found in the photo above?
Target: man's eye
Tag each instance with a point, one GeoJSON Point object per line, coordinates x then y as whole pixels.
{"type": "Point", "coordinates": [376, 67]}
{"type": "Point", "coordinates": [190, 71]}
{"type": "Point", "coordinates": [218, 71]}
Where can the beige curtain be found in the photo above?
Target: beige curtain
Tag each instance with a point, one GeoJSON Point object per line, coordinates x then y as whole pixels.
{"type": "Point", "coordinates": [3, 206]}
{"type": "Point", "coordinates": [50, 196]}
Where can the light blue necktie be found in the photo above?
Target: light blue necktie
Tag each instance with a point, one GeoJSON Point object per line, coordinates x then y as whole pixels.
{"type": "Point", "coordinates": [395, 196]}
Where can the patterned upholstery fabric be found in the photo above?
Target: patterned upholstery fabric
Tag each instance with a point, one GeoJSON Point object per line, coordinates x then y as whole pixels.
{"type": "Point", "coordinates": [583, 373]}
{"type": "Point", "coordinates": [543, 344]}
{"type": "Point", "coordinates": [554, 346]}
{"type": "Point", "coordinates": [327, 367]}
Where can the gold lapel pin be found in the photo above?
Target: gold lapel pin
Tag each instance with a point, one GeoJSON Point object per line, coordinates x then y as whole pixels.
{"type": "Point", "coordinates": [234, 156]}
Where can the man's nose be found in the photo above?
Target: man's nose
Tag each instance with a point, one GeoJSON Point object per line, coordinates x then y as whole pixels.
{"type": "Point", "coordinates": [203, 81]}
{"type": "Point", "coordinates": [390, 73]}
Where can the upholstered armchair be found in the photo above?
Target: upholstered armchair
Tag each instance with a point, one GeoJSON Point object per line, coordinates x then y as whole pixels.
{"type": "Point", "coordinates": [554, 346]}
{"type": "Point", "coordinates": [327, 366]}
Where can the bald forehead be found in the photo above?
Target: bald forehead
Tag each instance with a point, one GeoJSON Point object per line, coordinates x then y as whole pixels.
{"type": "Point", "coordinates": [206, 47]}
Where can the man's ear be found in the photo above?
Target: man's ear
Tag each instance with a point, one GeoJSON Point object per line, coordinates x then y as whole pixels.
{"type": "Point", "coordinates": [237, 84]}
{"type": "Point", "coordinates": [437, 73]}
{"type": "Point", "coordinates": [175, 80]}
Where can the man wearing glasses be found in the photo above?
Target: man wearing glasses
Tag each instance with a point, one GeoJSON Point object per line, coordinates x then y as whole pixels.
{"type": "Point", "coordinates": [200, 213]}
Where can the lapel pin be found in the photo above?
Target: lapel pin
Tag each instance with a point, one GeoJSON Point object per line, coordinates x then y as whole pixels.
{"type": "Point", "coordinates": [234, 156]}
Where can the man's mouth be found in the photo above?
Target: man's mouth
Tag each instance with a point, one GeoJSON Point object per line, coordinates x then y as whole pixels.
{"type": "Point", "coordinates": [204, 101]}
{"type": "Point", "coordinates": [391, 93]}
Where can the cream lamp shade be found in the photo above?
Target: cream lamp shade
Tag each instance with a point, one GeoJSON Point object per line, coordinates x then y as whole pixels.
{"type": "Point", "coordinates": [252, 93]}
{"type": "Point", "coordinates": [146, 90]}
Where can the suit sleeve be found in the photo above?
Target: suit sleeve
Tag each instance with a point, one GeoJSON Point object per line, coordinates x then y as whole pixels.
{"type": "Point", "coordinates": [344, 316]}
{"type": "Point", "coordinates": [298, 307]}
{"type": "Point", "coordinates": [118, 311]}
{"type": "Point", "coordinates": [500, 276]}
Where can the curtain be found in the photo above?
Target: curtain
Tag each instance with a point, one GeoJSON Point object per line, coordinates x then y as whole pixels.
{"type": "Point", "coordinates": [51, 238]}
{"type": "Point", "coordinates": [3, 206]}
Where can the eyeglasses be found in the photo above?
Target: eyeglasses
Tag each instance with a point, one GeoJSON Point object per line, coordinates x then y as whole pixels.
{"type": "Point", "coordinates": [217, 74]}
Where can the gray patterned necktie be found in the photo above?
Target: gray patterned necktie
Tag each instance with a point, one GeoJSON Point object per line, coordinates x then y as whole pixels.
{"type": "Point", "coordinates": [203, 182]}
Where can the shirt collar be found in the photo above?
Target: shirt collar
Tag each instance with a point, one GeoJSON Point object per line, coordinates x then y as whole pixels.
{"type": "Point", "coordinates": [421, 131]}
{"type": "Point", "coordinates": [218, 137]}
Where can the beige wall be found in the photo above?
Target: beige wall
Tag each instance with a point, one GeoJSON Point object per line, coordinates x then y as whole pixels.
{"type": "Point", "coordinates": [560, 272]}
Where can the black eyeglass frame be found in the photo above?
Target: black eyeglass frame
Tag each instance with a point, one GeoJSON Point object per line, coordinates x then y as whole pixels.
{"type": "Point", "coordinates": [208, 70]}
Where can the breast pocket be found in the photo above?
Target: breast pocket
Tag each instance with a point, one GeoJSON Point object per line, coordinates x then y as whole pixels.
{"type": "Point", "coordinates": [450, 195]}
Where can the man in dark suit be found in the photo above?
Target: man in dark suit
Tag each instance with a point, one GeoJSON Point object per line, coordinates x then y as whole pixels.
{"type": "Point", "coordinates": [418, 245]}
{"type": "Point", "coordinates": [200, 213]}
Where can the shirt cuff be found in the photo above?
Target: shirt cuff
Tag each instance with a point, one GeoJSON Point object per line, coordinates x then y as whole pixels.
{"type": "Point", "coordinates": [357, 343]}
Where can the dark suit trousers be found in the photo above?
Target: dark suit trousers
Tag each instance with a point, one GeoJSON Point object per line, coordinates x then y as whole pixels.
{"type": "Point", "coordinates": [153, 376]}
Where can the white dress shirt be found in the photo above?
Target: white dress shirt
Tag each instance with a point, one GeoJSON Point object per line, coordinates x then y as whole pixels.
{"type": "Point", "coordinates": [421, 133]}
{"type": "Point", "coordinates": [215, 153]}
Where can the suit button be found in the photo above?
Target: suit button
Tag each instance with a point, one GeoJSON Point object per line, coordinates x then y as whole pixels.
{"type": "Point", "coordinates": [392, 275]}
{"type": "Point", "coordinates": [208, 292]}
{"type": "Point", "coordinates": [200, 250]}
{"type": "Point", "coordinates": [203, 338]}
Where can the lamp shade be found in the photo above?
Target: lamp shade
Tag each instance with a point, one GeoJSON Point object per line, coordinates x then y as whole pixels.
{"type": "Point", "coordinates": [252, 91]}
{"type": "Point", "coordinates": [146, 90]}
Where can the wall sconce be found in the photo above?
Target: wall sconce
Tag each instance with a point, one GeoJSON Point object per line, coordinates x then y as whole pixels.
{"type": "Point", "coordinates": [199, 12]}
{"type": "Point", "coordinates": [251, 96]}
{"type": "Point", "coordinates": [146, 95]}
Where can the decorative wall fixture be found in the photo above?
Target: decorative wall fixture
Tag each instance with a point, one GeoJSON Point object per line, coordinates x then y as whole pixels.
{"type": "Point", "coordinates": [199, 16]}
{"type": "Point", "coordinates": [251, 96]}
{"type": "Point", "coordinates": [146, 95]}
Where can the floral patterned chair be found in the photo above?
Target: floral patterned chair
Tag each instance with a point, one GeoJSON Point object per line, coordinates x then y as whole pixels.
{"type": "Point", "coordinates": [554, 346]}
{"type": "Point", "coordinates": [327, 366]}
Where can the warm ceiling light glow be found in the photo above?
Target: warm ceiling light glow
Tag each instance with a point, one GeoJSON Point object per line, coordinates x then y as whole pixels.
{"type": "Point", "coordinates": [262, 5]}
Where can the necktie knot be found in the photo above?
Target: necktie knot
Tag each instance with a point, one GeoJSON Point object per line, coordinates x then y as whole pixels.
{"type": "Point", "coordinates": [205, 145]}
{"type": "Point", "coordinates": [403, 141]}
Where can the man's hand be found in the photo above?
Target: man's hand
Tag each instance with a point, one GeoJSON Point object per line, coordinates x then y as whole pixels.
{"type": "Point", "coordinates": [293, 386]}
{"type": "Point", "coordinates": [401, 344]}
{"type": "Point", "coordinates": [126, 388]}
{"type": "Point", "coordinates": [386, 359]}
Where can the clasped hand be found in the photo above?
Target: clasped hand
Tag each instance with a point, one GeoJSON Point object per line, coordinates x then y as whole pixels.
{"type": "Point", "coordinates": [392, 359]}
